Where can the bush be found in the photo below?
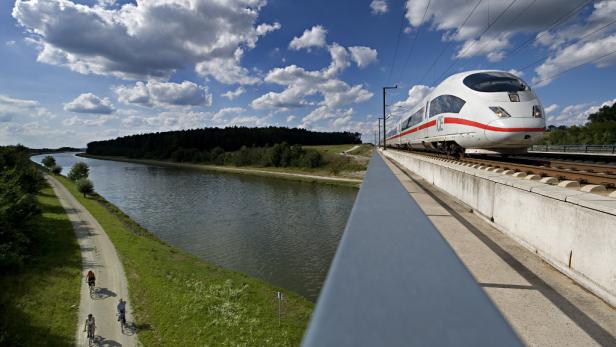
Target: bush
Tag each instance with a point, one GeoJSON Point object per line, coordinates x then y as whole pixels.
{"type": "Point", "coordinates": [49, 162]}
{"type": "Point", "coordinates": [311, 159]}
{"type": "Point", "coordinates": [78, 171]}
{"type": "Point", "coordinates": [20, 181]}
{"type": "Point", "coordinates": [56, 169]}
{"type": "Point", "coordinates": [85, 186]}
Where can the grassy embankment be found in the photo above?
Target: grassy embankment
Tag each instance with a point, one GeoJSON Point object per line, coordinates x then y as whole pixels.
{"type": "Point", "coordinates": [39, 304]}
{"type": "Point", "coordinates": [180, 300]}
{"type": "Point", "coordinates": [339, 170]}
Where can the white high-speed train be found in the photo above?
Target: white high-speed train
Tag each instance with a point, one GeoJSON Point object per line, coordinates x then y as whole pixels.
{"type": "Point", "coordinates": [482, 111]}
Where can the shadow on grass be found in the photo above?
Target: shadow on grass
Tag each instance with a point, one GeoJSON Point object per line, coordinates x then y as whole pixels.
{"type": "Point", "coordinates": [35, 302]}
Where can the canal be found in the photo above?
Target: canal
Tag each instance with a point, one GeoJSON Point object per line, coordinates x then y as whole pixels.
{"type": "Point", "coordinates": [282, 231]}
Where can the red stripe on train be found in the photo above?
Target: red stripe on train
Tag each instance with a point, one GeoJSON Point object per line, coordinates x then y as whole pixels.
{"type": "Point", "coordinates": [452, 120]}
{"type": "Point", "coordinates": [461, 121]}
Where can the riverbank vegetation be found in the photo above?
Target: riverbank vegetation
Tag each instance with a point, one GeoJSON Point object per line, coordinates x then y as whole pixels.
{"type": "Point", "coordinates": [180, 300]}
{"type": "Point", "coordinates": [599, 130]}
{"type": "Point", "coordinates": [39, 258]}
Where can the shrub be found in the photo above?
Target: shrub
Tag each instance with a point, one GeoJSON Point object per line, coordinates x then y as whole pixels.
{"type": "Point", "coordinates": [78, 171]}
{"type": "Point", "coordinates": [85, 186]}
{"type": "Point", "coordinates": [56, 169]}
{"type": "Point", "coordinates": [49, 162]}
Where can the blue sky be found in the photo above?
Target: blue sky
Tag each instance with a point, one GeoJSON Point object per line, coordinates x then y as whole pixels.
{"type": "Point", "coordinates": [77, 71]}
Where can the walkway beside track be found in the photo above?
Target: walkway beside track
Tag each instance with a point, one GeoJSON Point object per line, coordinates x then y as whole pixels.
{"type": "Point", "coordinates": [98, 254]}
{"type": "Point", "coordinates": [543, 306]}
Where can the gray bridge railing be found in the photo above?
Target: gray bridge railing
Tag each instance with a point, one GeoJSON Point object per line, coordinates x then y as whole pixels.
{"type": "Point", "coordinates": [395, 281]}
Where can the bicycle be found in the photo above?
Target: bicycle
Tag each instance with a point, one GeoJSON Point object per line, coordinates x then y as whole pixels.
{"type": "Point", "coordinates": [91, 284]}
{"type": "Point", "coordinates": [122, 320]}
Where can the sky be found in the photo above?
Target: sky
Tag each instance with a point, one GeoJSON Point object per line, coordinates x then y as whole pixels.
{"type": "Point", "coordinates": [74, 71]}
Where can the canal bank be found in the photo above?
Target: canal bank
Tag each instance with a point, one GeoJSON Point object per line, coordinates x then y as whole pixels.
{"type": "Point", "coordinates": [179, 299]}
{"type": "Point", "coordinates": [285, 173]}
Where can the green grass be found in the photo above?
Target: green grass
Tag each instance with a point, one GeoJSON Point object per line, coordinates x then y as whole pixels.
{"type": "Point", "coordinates": [330, 148]}
{"type": "Point", "coordinates": [364, 150]}
{"type": "Point", "coordinates": [180, 300]}
{"type": "Point", "coordinates": [39, 304]}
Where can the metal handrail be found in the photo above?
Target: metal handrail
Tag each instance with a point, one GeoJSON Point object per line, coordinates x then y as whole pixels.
{"type": "Point", "coordinates": [396, 282]}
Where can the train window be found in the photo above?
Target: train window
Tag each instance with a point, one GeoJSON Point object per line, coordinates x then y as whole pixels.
{"type": "Point", "coordinates": [414, 119]}
{"type": "Point", "coordinates": [445, 104]}
{"type": "Point", "coordinates": [491, 82]}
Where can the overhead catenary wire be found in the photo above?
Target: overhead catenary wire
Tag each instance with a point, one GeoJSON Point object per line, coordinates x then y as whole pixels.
{"type": "Point", "coordinates": [478, 39]}
{"type": "Point", "coordinates": [408, 57]}
{"type": "Point", "coordinates": [393, 62]}
{"type": "Point", "coordinates": [551, 77]}
{"type": "Point", "coordinates": [545, 30]}
{"type": "Point", "coordinates": [579, 40]}
{"type": "Point", "coordinates": [449, 44]}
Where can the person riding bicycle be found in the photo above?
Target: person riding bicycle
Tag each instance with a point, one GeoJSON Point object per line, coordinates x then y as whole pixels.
{"type": "Point", "coordinates": [90, 326]}
{"type": "Point", "coordinates": [90, 278]}
{"type": "Point", "coordinates": [122, 310]}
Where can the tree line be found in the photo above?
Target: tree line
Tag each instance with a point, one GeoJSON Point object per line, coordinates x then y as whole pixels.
{"type": "Point", "coordinates": [599, 130]}
{"type": "Point", "coordinates": [163, 145]}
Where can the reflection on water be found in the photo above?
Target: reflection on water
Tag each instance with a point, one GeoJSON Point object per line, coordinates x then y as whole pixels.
{"type": "Point", "coordinates": [282, 231]}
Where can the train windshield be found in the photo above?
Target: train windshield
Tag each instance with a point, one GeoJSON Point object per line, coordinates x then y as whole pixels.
{"type": "Point", "coordinates": [491, 82]}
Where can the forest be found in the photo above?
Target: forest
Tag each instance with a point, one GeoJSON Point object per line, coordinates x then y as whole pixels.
{"type": "Point", "coordinates": [164, 145]}
{"type": "Point", "coordinates": [599, 130]}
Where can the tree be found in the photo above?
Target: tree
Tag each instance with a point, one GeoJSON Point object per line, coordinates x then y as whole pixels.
{"type": "Point", "coordinates": [78, 171]}
{"type": "Point", "coordinates": [49, 162]}
{"type": "Point", "coordinates": [56, 169]}
{"type": "Point", "coordinates": [85, 186]}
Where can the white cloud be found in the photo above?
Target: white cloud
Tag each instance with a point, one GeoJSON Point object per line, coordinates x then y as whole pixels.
{"type": "Point", "coordinates": [97, 121]}
{"type": "Point", "coordinates": [19, 109]}
{"type": "Point", "coordinates": [575, 55]}
{"type": "Point", "coordinates": [89, 103]}
{"type": "Point", "coordinates": [551, 108]}
{"type": "Point", "coordinates": [324, 112]}
{"type": "Point", "coordinates": [314, 37]}
{"type": "Point", "coordinates": [227, 70]}
{"type": "Point", "coordinates": [516, 72]}
{"type": "Point", "coordinates": [301, 84]}
{"type": "Point", "coordinates": [10, 43]}
{"type": "Point", "coordinates": [164, 94]}
{"type": "Point", "coordinates": [363, 56]}
{"type": "Point", "coordinates": [232, 94]}
{"type": "Point", "coordinates": [290, 118]}
{"type": "Point", "coordinates": [143, 39]}
{"type": "Point", "coordinates": [416, 95]}
{"type": "Point", "coordinates": [576, 114]}
{"type": "Point", "coordinates": [519, 18]}
{"type": "Point", "coordinates": [379, 6]}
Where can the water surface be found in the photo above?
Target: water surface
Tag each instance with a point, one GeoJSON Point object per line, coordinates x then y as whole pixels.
{"type": "Point", "coordinates": [282, 231]}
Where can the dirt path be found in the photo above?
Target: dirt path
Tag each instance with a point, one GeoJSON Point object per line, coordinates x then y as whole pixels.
{"type": "Point", "coordinates": [98, 254]}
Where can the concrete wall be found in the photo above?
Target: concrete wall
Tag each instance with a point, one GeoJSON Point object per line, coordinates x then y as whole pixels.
{"type": "Point", "coordinates": [572, 230]}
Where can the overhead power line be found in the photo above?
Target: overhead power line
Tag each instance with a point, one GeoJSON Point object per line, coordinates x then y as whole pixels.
{"type": "Point", "coordinates": [393, 62]}
{"type": "Point", "coordinates": [574, 67]}
{"type": "Point", "coordinates": [545, 30]}
{"type": "Point", "coordinates": [408, 57]}
{"type": "Point", "coordinates": [579, 40]}
{"type": "Point", "coordinates": [478, 39]}
{"type": "Point", "coordinates": [449, 44]}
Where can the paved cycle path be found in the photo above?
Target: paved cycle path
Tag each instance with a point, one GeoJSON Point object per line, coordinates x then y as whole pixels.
{"type": "Point", "coordinates": [99, 255]}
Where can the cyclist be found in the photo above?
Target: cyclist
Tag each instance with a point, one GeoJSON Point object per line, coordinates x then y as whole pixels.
{"type": "Point", "coordinates": [121, 309]}
{"type": "Point", "coordinates": [91, 279]}
{"type": "Point", "coordinates": [90, 326]}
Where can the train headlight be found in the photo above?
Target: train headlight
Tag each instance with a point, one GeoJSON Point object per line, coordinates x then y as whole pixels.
{"type": "Point", "coordinates": [499, 112]}
{"type": "Point", "coordinates": [537, 112]}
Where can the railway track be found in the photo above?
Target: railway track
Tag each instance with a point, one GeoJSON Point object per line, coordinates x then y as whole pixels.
{"type": "Point", "coordinates": [600, 176]}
